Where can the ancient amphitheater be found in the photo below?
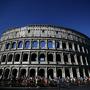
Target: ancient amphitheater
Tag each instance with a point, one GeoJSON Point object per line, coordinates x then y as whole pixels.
{"type": "Point", "coordinates": [44, 50]}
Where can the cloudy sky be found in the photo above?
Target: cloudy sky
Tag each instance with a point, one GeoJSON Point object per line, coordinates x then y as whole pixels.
{"type": "Point", "coordinates": [73, 14]}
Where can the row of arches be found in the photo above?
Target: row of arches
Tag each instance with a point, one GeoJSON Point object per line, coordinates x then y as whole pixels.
{"type": "Point", "coordinates": [41, 72]}
{"type": "Point", "coordinates": [41, 57]}
{"type": "Point", "coordinates": [43, 44]}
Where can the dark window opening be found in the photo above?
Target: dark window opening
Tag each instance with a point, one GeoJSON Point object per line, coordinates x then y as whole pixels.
{"type": "Point", "coordinates": [86, 72]}
{"type": "Point", "coordinates": [65, 58]}
{"type": "Point", "coordinates": [33, 57]}
{"type": "Point", "coordinates": [10, 58]}
{"type": "Point", "coordinates": [42, 31]}
{"type": "Point", "coordinates": [67, 73]}
{"type": "Point", "coordinates": [50, 57]}
{"type": "Point", "coordinates": [76, 48]}
{"type": "Point", "coordinates": [6, 73]}
{"type": "Point", "coordinates": [80, 48]}
{"type": "Point", "coordinates": [50, 73]}
{"type": "Point", "coordinates": [41, 73]}
{"type": "Point", "coordinates": [70, 46]}
{"type": "Point", "coordinates": [17, 57]}
{"type": "Point", "coordinates": [42, 57]}
{"type": "Point", "coordinates": [78, 59]}
{"type": "Point", "coordinates": [14, 45]}
{"type": "Point", "coordinates": [56, 32]}
{"type": "Point", "coordinates": [72, 58]}
{"type": "Point", "coordinates": [59, 73]}
{"type": "Point", "coordinates": [23, 73]}
{"type": "Point", "coordinates": [7, 45]}
{"type": "Point", "coordinates": [1, 72]}
{"type": "Point", "coordinates": [81, 72]}
{"type": "Point", "coordinates": [32, 73]}
{"type": "Point", "coordinates": [20, 44]}
{"type": "Point", "coordinates": [14, 73]}
{"type": "Point", "coordinates": [25, 57]}
{"type": "Point", "coordinates": [84, 61]}
{"type": "Point", "coordinates": [58, 57]}
{"type": "Point", "coordinates": [63, 45]}
{"type": "Point", "coordinates": [3, 58]}
{"type": "Point", "coordinates": [28, 31]}
{"type": "Point", "coordinates": [57, 44]}
{"type": "Point", "coordinates": [27, 44]}
{"type": "Point", "coordinates": [74, 72]}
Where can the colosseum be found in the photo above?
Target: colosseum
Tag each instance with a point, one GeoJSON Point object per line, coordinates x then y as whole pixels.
{"type": "Point", "coordinates": [44, 50]}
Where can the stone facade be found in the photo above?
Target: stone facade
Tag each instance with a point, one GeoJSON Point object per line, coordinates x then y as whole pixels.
{"type": "Point", "coordinates": [44, 50]}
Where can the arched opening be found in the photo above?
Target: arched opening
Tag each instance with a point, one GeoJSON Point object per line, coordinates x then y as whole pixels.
{"type": "Point", "coordinates": [14, 73]}
{"type": "Point", "coordinates": [33, 57]}
{"type": "Point", "coordinates": [1, 71]}
{"type": "Point", "coordinates": [65, 58]}
{"type": "Point", "coordinates": [50, 57]}
{"type": "Point", "coordinates": [57, 44]}
{"type": "Point", "coordinates": [7, 45]}
{"type": "Point", "coordinates": [58, 58]}
{"type": "Point", "coordinates": [86, 72]}
{"type": "Point", "coordinates": [42, 57]}
{"type": "Point", "coordinates": [42, 44]}
{"type": "Point", "coordinates": [84, 61]}
{"type": "Point", "coordinates": [25, 57]}
{"type": "Point", "coordinates": [75, 45]}
{"type": "Point", "coordinates": [27, 44]}
{"type": "Point", "coordinates": [50, 44]}
{"type": "Point", "coordinates": [74, 72]}
{"type": "Point", "coordinates": [72, 59]}
{"type": "Point", "coordinates": [78, 59]}
{"type": "Point", "coordinates": [41, 73]}
{"type": "Point", "coordinates": [32, 73]}
{"type": "Point", "coordinates": [80, 48]}
{"type": "Point", "coordinates": [6, 73]}
{"type": "Point", "coordinates": [59, 73]}
{"type": "Point", "coordinates": [81, 72]}
{"type": "Point", "coordinates": [10, 58]}
{"type": "Point", "coordinates": [17, 57]}
{"type": "Point", "coordinates": [23, 73]}
{"type": "Point", "coordinates": [34, 44]}
{"type": "Point", "coordinates": [50, 73]}
{"type": "Point", "coordinates": [3, 58]}
{"type": "Point", "coordinates": [14, 45]}
{"type": "Point", "coordinates": [70, 46]}
{"type": "Point", "coordinates": [20, 44]}
{"type": "Point", "coordinates": [63, 45]}
{"type": "Point", "coordinates": [67, 73]}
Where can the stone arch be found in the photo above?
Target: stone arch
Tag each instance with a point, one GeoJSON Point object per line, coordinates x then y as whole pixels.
{"type": "Point", "coordinates": [32, 72]}
{"type": "Point", "coordinates": [14, 73]}
{"type": "Point", "coordinates": [57, 44]}
{"type": "Point", "coordinates": [25, 57]}
{"type": "Point", "coordinates": [50, 73]}
{"type": "Point", "coordinates": [58, 57]}
{"type": "Point", "coordinates": [10, 56]}
{"type": "Point", "coordinates": [72, 58]}
{"type": "Point", "coordinates": [3, 58]}
{"type": "Point", "coordinates": [74, 72]}
{"type": "Point", "coordinates": [14, 45]}
{"type": "Point", "coordinates": [20, 44]}
{"type": "Point", "coordinates": [81, 72]}
{"type": "Point", "coordinates": [33, 57]}
{"type": "Point", "coordinates": [42, 57]}
{"type": "Point", "coordinates": [65, 58]}
{"type": "Point", "coordinates": [41, 72]}
{"type": "Point", "coordinates": [17, 57]}
{"type": "Point", "coordinates": [59, 73]}
{"type": "Point", "coordinates": [23, 73]}
{"type": "Point", "coordinates": [67, 73]}
{"type": "Point", "coordinates": [50, 57]}
{"type": "Point", "coordinates": [6, 73]}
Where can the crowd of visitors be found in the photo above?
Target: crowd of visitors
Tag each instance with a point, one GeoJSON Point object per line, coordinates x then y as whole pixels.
{"type": "Point", "coordinates": [44, 82]}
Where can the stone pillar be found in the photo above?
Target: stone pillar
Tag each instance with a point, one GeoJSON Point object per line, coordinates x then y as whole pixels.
{"type": "Point", "coordinates": [73, 46]}
{"type": "Point", "coordinates": [81, 60]}
{"type": "Point", "coordinates": [26, 72]}
{"type": "Point", "coordinates": [60, 44]}
{"type": "Point", "coordinates": [46, 62]}
{"type": "Point", "coordinates": [69, 59]}
{"type": "Point", "coordinates": [67, 46]}
{"type": "Point", "coordinates": [75, 56]}
{"type": "Point", "coordinates": [54, 58]}
{"type": "Point", "coordinates": [78, 73]}
{"type": "Point", "coordinates": [36, 71]}
{"type": "Point", "coordinates": [53, 44]}
{"type": "Point", "coordinates": [86, 60]}
{"type": "Point", "coordinates": [62, 58]}
{"type": "Point", "coordinates": [54, 71]}
{"type": "Point", "coordinates": [89, 72]}
{"type": "Point", "coordinates": [63, 72]}
{"type": "Point", "coordinates": [71, 73]}
{"type": "Point", "coordinates": [46, 72]}
{"type": "Point", "coordinates": [84, 72]}
{"type": "Point", "coordinates": [78, 48]}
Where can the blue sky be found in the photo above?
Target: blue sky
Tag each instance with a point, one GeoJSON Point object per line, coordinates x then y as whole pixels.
{"type": "Point", "coordinates": [73, 14]}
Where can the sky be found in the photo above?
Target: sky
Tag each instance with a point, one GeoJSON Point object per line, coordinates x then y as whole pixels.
{"type": "Point", "coordinates": [74, 14]}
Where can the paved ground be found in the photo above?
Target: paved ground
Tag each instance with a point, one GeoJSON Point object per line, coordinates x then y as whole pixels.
{"type": "Point", "coordinates": [47, 88]}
